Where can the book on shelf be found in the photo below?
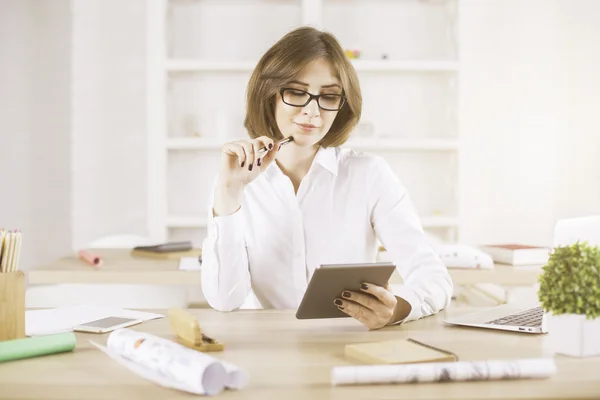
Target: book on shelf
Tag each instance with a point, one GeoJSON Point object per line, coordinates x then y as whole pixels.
{"type": "Point", "coordinates": [174, 255]}
{"type": "Point", "coordinates": [517, 254]}
{"type": "Point", "coordinates": [167, 251]}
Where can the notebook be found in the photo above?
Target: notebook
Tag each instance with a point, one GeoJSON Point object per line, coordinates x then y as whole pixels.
{"type": "Point", "coordinates": [401, 351]}
{"type": "Point", "coordinates": [172, 255]}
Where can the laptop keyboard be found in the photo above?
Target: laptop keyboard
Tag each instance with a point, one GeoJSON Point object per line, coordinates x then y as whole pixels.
{"type": "Point", "coordinates": [531, 317]}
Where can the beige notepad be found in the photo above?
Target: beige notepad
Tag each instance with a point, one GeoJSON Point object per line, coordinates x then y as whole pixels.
{"type": "Point", "coordinates": [401, 351]}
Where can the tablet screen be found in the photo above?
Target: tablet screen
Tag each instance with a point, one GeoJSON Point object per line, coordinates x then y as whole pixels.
{"type": "Point", "coordinates": [329, 281]}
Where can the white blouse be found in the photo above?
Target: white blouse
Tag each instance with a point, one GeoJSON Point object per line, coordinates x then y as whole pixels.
{"type": "Point", "coordinates": [269, 249]}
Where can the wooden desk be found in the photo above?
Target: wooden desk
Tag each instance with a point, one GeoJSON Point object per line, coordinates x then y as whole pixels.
{"type": "Point", "coordinates": [120, 268]}
{"type": "Point", "coordinates": [287, 358]}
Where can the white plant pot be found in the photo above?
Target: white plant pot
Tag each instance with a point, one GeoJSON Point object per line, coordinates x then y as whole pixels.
{"type": "Point", "coordinates": [573, 334]}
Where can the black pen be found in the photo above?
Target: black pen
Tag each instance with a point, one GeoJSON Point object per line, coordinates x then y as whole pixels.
{"type": "Point", "coordinates": [280, 143]}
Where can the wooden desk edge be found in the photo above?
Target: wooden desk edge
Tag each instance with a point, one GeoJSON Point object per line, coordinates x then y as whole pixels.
{"type": "Point", "coordinates": [176, 277]}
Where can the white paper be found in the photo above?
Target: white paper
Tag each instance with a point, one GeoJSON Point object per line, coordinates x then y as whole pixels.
{"type": "Point", "coordinates": [146, 373]}
{"type": "Point", "coordinates": [444, 372]}
{"type": "Point", "coordinates": [190, 264]}
{"type": "Point", "coordinates": [237, 378]}
{"type": "Point", "coordinates": [172, 365]}
{"type": "Point", "coordinates": [63, 319]}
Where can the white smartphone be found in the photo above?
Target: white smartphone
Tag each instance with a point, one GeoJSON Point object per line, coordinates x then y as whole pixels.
{"type": "Point", "coordinates": [106, 325]}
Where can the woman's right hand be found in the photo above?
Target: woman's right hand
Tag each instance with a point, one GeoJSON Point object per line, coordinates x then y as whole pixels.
{"type": "Point", "coordinates": [241, 163]}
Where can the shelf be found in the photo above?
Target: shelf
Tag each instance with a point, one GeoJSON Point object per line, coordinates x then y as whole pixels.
{"type": "Point", "coordinates": [186, 222]}
{"type": "Point", "coordinates": [403, 144]}
{"type": "Point", "coordinates": [357, 143]}
{"type": "Point", "coordinates": [200, 222]}
{"type": "Point", "coordinates": [359, 65]}
{"type": "Point", "coordinates": [209, 66]}
{"type": "Point", "coordinates": [399, 66]}
{"type": "Point", "coordinates": [423, 64]}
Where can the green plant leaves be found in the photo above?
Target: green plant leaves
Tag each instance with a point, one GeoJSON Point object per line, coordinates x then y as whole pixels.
{"type": "Point", "coordinates": [570, 281]}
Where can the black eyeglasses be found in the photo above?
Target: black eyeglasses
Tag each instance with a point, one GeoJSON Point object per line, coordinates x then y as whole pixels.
{"type": "Point", "coordinates": [300, 98]}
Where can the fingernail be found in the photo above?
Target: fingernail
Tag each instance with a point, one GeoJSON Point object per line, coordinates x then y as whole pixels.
{"type": "Point", "coordinates": [346, 294]}
{"type": "Point", "coordinates": [250, 167]}
{"type": "Point", "coordinates": [242, 165]}
{"type": "Point", "coordinates": [258, 162]}
{"type": "Point", "coordinates": [270, 146]}
{"type": "Point", "coordinates": [364, 286]}
{"type": "Point", "coordinates": [338, 302]}
{"type": "Point", "coordinates": [340, 307]}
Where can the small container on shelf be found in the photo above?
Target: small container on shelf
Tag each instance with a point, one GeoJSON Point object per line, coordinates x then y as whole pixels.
{"type": "Point", "coordinates": [352, 53]}
{"type": "Point", "coordinates": [191, 125]}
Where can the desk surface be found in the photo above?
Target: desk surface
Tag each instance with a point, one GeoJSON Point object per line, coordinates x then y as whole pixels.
{"type": "Point", "coordinates": [120, 267]}
{"type": "Point", "coordinates": [287, 358]}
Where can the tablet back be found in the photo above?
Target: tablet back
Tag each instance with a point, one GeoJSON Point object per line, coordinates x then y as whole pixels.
{"type": "Point", "coordinates": [330, 280]}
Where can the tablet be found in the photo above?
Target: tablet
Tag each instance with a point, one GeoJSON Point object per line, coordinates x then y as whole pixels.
{"type": "Point", "coordinates": [330, 280]}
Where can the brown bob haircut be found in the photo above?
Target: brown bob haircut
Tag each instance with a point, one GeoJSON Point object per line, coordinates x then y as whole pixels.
{"type": "Point", "coordinates": [281, 64]}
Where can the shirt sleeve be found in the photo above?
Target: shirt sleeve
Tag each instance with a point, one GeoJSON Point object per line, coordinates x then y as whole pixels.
{"type": "Point", "coordinates": [427, 286]}
{"type": "Point", "coordinates": [225, 274]}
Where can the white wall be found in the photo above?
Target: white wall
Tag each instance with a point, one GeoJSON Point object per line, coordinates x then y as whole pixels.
{"type": "Point", "coordinates": [15, 100]}
{"type": "Point", "coordinates": [50, 135]}
{"type": "Point", "coordinates": [578, 188]}
{"type": "Point", "coordinates": [108, 125]}
{"type": "Point", "coordinates": [34, 125]}
{"type": "Point", "coordinates": [72, 130]}
{"type": "Point", "coordinates": [527, 116]}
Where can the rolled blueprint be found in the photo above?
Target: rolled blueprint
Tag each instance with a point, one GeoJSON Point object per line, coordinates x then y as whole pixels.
{"type": "Point", "coordinates": [36, 346]}
{"type": "Point", "coordinates": [172, 365]}
{"type": "Point", "coordinates": [443, 372]}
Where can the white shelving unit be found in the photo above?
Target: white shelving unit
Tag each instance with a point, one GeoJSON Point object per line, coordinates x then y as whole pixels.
{"type": "Point", "coordinates": [358, 144]}
{"type": "Point", "coordinates": [198, 68]}
{"type": "Point", "coordinates": [200, 222]}
{"type": "Point", "coordinates": [359, 65]}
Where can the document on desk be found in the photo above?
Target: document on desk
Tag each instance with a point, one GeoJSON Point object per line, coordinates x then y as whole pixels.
{"type": "Point", "coordinates": [63, 319]}
{"type": "Point", "coordinates": [190, 263]}
{"type": "Point", "coordinates": [170, 364]}
{"type": "Point", "coordinates": [534, 368]}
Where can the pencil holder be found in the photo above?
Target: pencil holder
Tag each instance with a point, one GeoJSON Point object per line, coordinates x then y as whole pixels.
{"type": "Point", "coordinates": [12, 305]}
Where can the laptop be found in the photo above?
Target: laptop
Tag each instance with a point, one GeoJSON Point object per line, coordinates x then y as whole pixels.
{"type": "Point", "coordinates": [529, 318]}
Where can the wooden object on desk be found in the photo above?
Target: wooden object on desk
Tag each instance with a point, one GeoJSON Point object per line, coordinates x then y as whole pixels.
{"type": "Point", "coordinates": [292, 359]}
{"type": "Point", "coordinates": [171, 255]}
{"type": "Point", "coordinates": [185, 326]}
{"type": "Point", "coordinates": [12, 305]}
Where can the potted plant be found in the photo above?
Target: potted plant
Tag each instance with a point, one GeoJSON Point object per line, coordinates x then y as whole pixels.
{"type": "Point", "coordinates": [569, 293]}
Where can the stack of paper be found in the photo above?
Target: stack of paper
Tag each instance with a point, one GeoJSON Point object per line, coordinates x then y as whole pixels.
{"type": "Point", "coordinates": [190, 263]}
{"type": "Point", "coordinates": [63, 319]}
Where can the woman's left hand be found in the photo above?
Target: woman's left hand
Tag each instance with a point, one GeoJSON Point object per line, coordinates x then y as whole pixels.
{"type": "Point", "coordinates": [374, 306]}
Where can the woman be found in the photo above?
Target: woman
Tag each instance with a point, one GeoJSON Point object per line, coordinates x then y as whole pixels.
{"type": "Point", "coordinates": [276, 215]}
